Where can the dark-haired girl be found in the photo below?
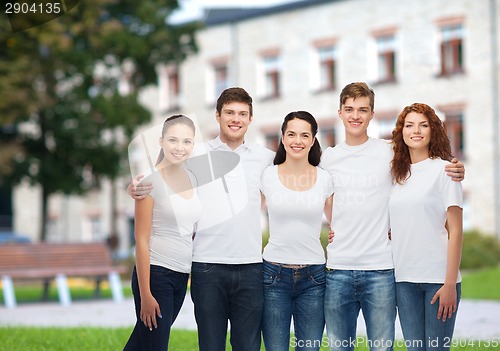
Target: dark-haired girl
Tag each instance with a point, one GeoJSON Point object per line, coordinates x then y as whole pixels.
{"type": "Point", "coordinates": [164, 222]}
{"type": "Point", "coordinates": [296, 192]}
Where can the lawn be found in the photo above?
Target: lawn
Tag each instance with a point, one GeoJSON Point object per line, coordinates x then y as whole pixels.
{"type": "Point", "coordinates": [482, 284]}
{"type": "Point", "coordinates": [92, 339]}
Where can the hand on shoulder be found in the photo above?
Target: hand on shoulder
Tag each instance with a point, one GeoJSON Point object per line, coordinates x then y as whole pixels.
{"type": "Point", "coordinates": [139, 190]}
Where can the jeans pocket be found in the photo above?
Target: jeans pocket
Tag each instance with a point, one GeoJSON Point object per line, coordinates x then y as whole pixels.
{"type": "Point", "coordinates": [270, 274]}
{"type": "Point", "coordinates": [319, 277]}
{"type": "Point", "coordinates": [269, 279]}
{"type": "Point", "coordinates": [199, 267]}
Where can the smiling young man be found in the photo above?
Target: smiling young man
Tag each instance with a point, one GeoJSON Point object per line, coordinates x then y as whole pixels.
{"type": "Point", "coordinates": [360, 269]}
{"type": "Point", "coordinates": [226, 276]}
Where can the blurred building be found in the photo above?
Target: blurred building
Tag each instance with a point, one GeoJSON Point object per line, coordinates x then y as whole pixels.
{"type": "Point", "coordinates": [299, 56]}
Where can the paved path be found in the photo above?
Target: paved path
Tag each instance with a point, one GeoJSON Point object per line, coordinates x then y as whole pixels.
{"type": "Point", "coordinates": [478, 320]}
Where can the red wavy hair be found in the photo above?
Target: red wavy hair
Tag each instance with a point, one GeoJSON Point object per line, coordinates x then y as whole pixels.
{"type": "Point", "coordinates": [439, 145]}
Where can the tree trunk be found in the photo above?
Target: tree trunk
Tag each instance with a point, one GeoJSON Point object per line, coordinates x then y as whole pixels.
{"type": "Point", "coordinates": [113, 238]}
{"type": "Point", "coordinates": [43, 215]}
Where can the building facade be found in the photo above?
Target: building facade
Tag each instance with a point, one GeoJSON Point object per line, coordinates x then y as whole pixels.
{"type": "Point", "coordinates": [298, 56]}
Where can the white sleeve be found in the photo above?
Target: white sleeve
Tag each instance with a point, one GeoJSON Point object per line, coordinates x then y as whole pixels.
{"type": "Point", "coordinates": [327, 183]}
{"type": "Point", "coordinates": [265, 180]}
{"type": "Point", "coordinates": [451, 192]}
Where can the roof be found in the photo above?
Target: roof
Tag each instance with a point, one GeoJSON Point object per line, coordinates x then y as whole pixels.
{"type": "Point", "coordinates": [217, 16]}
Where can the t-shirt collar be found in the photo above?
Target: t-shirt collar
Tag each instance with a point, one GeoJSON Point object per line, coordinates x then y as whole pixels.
{"type": "Point", "coordinates": [217, 143]}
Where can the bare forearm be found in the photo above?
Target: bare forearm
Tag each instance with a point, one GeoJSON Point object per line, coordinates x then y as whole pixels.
{"type": "Point", "coordinates": [142, 232]}
{"type": "Point", "coordinates": [454, 256]}
{"type": "Point", "coordinates": [142, 263]}
{"type": "Point", "coordinates": [328, 209]}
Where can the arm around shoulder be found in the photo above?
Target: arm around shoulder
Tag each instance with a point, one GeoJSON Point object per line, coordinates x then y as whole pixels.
{"type": "Point", "coordinates": [139, 190]}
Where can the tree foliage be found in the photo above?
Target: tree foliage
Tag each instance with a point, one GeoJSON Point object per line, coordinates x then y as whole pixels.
{"type": "Point", "coordinates": [69, 90]}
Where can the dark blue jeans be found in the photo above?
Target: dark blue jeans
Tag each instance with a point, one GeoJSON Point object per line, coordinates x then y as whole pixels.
{"type": "Point", "coordinates": [223, 292]}
{"type": "Point", "coordinates": [293, 292]}
{"type": "Point", "coordinates": [422, 329]}
{"type": "Point", "coordinates": [169, 289]}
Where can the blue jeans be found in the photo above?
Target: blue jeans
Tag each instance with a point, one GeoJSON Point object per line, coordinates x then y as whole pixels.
{"type": "Point", "coordinates": [421, 328]}
{"type": "Point", "coordinates": [293, 292]}
{"type": "Point", "coordinates": [223, 292]}
{"type": "Point", "coordinates": [348, 291]}
{"type": "Point", "coordinates": [169, 289]}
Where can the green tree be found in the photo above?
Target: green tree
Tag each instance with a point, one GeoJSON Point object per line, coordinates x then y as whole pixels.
{"type": "Point", "coordinates": [61, 97]}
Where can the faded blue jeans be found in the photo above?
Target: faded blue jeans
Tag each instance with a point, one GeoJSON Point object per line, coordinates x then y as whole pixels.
{"type": "Point", "coordinates": [422, 329]}
{"type": "Point", "coordinates": [222, 292]}
{"type": "Point", "coordinates": [348, 292]}
{"type": "Point", "coordinates": [169, 289]}
{"type": "Point", "coordinates": [293, 292]}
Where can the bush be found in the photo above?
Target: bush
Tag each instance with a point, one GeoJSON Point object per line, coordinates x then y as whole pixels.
{"type": "Point", "coordinates": [480, 250]}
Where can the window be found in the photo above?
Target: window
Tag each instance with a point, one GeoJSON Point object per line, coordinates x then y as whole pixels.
{"type": "Point", "coordinates": [455, 129]}
{"type": "Point", "coordinates": [385, 126]}
{"type": "Point", "coordinates": [327, 58]}
{"type": "Point", "coordinates": [221, 78]}
{"type": "Point", "coordinates": [173, 89]}
{"type": "Point", "coordinates": [271, 76]}
{"type": "Point", "coordinates": [96, 227]}
{"type": "Point", "coordinates": [327, 136]}
{"type": "Point", "coordinates": [272, 141]}
{"type": "Point", "coordinates": [218, 78]}
{"type": "Point", "coordinates": [386, 58]}
{"type": "Point", "coordinates": [452, 49]}
{"type": "Point", "coordinates": [271, 133]}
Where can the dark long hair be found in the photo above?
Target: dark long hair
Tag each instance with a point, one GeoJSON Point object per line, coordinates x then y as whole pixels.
{"type": "Point", "coordinates": [314, 153]}
{"type": "Point", "coordinates": [170, 121]}
{"type": "Point", "coordinates": [439, 145]}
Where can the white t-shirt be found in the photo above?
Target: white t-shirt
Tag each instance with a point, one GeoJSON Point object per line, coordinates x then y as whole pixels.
{"type": "Point", "coordinates": [362, 186]}
{"type": "Point", "coordinates": [418, 215]}
{"type": "Point", "coordinates": [174, 217]}
{"type": "Point", "coordinates": [229, 230]}
{"type": "Point", "coordinates": [295, 219]}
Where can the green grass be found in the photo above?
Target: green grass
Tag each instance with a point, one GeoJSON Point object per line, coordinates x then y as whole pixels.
{"type": "Point", "coordinates": [105, 339]}
{"type": "Point", "coordinates": [482, 284]}
{"type": "Point", "coordinates": [478, 284]}
{"type": "Point", "coordinates": [83, 339]}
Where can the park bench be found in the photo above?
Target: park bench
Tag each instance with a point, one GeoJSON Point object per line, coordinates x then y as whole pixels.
{"type": "Point", "coordinates": [47, 261]}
